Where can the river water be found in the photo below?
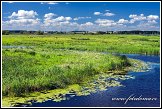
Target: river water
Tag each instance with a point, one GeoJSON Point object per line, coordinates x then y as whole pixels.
{"type": "Point", "coordinates": [146, 85]}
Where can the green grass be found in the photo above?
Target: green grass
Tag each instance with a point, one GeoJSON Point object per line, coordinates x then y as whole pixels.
{"type": "Point", "coordinates": [100, 43]}
{"type": "Point", "coordinates": [50, 62]}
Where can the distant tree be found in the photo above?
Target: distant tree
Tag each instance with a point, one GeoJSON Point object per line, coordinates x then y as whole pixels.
{"type": "Point", "coordinates": [101, 32]}
{"type": "Point", "coordinates": [39, 33]}
{"type": "Point", "coordinates": [26, 32]}
{"type": "Point", "coordinates": [5, 32]}
{"type": "Point", "coordinates": [21, 32]}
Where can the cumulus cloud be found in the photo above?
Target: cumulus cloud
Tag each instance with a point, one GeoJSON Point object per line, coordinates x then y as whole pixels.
{"type": "Point", "coordinates": [123, 21]}
{"type": "Point", "coordinates": [87, 24]}
{"type": "Point", "coordinates": [22, 19]}
{"type": "Point", "coordinates": [109, 14]}
{"type": "Point", "coordinates": [147, 25]}
{"type": "Point", "coordinates": [141, 17]}
{"type": "Point", "coordinates": [152, 17]}
{"type": "Point", "coordinates": [152, 22]}
{"type": "Point", "coordinates": [145, 22]}
{"type": "Point", "coordinates": [55, 21]}
{"type": "Point", "coordinates": [78, 18]}
{"type": "Point", "coordinates": [104, 14]}
{"type": "Point", "coordinates": [49, 15]}
{"type": "Point", "coordinates": [132, 16]}
{"type": "Point", "coordinates": [29, 20]}
{"type": "Point", "coordinates": [135, 18]}
{"type": "Point", "coordinates": [22, 14]}
{"type": "Point", "coordinates": [62, 18]}
{"type": "Point", "coordinates": [97, 13]}
{"type": "Point", "coordinates": [23, 22]}
{"type": "Point", "coordinates": [105, 22]}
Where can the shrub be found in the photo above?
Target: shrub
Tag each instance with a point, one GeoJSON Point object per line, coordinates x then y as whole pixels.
{"type": "Point", "coordinates": [5, 32]}
{"type": "Point", "coordinates": [32, 53]}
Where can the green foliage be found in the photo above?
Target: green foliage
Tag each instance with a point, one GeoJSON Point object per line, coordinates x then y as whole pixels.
{"type": "Point", "coordinates": [39, 33]}
{"type": "Point", "coordinates": [5, 32]}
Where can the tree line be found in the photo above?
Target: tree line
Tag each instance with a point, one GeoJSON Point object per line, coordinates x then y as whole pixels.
{"type": "Point", "coordinates": [7, 32]}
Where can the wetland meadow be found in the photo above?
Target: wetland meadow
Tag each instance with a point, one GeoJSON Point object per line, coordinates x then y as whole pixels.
{"type": "Point", "coordinates": [33, 64]}
{"type": "Point", "coordinates": [80, 54]}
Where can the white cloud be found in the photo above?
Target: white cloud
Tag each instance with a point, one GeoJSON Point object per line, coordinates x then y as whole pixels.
{"type": "Point", "coordinates": [152, 17]}
{"type": "Point", "coordinates": [64, 23]}
{"type": "Point", "coordinates": [147, 25]}
{"type": "Point", "coordinates": [87, 24]}
{"type": "Point", "coordinates": [56, 21]}
{"type": "Point", "coordinates": [152, 22]}
{"type": "Point", "coordinates": [123, 21]}
{"type": "Point", "coordinates": [49, 15]}
{"type": "Point", "coordinates": [104, 14]}
{"type": "Point", "coordinates": [144, 22]}
{"type": "Point", "coordinates": [22, 19]}
{"type": "Point", "coordinates": [23, 22]}
{"type": "Point", "coordinates": [141, 17]}
{"type": "Point", "coordinates": [135, 18]}
{"type": "Point", "coordinates": [22, 14]}
{"type": "Point", "coordinates": [109, 14]}
{"type": "Point", "coordinates": [105, 22]}
{"type": "Point", "coordinates": [25, 19]}
{"type": "Point", "coordinates": [99, 21]}
{"type": "Point", "coordinates": [62, 18]}
{"type": "Point", "coordinates": [78, 18]}
{"type": "Point", "coordinates": [97, 13]}
{"type": "Point", "coordinates": [132, 16]}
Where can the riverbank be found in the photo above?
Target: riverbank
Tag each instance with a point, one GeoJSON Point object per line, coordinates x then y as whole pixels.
{"type": "Point", "coordinates": [98, 82]}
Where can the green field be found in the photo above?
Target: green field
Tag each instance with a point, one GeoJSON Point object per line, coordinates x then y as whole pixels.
{"type": "Point", "coordinates": [43, 62]}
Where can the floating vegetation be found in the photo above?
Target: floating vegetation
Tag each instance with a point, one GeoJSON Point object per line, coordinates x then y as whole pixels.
{"type": "Point", "coordinates": [139, 66]}
{"type": "Point", "coordinates": [100, 82]}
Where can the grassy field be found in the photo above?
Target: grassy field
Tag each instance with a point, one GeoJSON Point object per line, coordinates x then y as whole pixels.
{"type": "Point", "coordinates": [35, 63]}
{"type": "Point", "coordinates": [101, 43]}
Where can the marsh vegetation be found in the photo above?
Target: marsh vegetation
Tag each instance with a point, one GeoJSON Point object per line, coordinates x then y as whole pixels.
{"type": "Point", "coordinates": [43, 62]}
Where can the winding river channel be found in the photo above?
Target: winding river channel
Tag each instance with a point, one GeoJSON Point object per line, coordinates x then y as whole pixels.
{"type": "Point", "coordinates": [143, 91]}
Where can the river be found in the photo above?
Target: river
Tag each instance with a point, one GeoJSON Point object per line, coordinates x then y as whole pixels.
{"type": "Point", "coordinates": [145, 87]}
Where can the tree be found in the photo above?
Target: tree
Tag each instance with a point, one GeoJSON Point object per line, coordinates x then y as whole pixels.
{"type": "Point", "coordinates": [5, 32]}
{"type": "Point", "coordinates": [39, 33]}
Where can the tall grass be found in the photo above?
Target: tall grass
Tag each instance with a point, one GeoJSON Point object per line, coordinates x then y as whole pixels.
{"type": "Point", "coordinates": [24, 73]}
{"type": "Point", "coordinates": [100, 43]}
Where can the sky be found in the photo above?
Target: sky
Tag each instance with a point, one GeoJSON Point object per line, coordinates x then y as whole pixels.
{"type": "Point", "coordinates": [81, 16]}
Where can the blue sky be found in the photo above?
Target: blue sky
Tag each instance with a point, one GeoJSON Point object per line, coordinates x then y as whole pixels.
{"type": "Point", "coordinates": [89, 16]}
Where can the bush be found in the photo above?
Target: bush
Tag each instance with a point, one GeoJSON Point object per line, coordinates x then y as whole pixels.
{"type": "Point", "coordinates": [39, 33]}
{"type": "Point", "coordinates": [5, 32]}
{"type": "Point", "coordinates": [32, 53]}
